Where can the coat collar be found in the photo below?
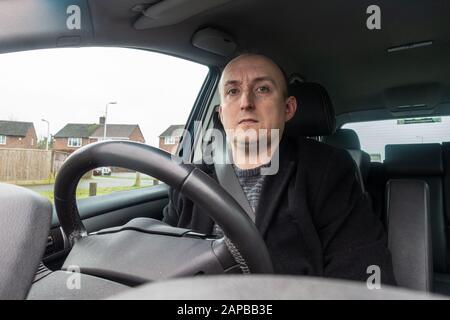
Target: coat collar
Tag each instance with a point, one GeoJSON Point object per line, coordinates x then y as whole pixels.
{"type": "Point", "coordinates": [275, 186]}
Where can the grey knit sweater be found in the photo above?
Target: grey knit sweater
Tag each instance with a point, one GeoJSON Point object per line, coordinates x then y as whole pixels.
{"type": "Point", "coordinates": [251, 182]}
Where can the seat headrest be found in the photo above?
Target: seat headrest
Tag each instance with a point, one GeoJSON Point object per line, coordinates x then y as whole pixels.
{"type": "Point", "coordinates": [315, 114]}
{"type": "Point", "coordinates": [343, 139]}
{"type": "Point", "coordinates": [414, 159]}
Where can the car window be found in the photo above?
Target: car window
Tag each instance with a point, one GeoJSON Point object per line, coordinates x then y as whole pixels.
{"type": "Point", "coordinates": [375, 135]}
{"type": "Point", "coordinates": [56, 101]}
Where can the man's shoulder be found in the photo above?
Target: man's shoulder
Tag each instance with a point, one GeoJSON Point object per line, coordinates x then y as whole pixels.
{"type": "Point", "coordinates": [307, 149]}
{"type": "Point", "coordinates": [316, 158]}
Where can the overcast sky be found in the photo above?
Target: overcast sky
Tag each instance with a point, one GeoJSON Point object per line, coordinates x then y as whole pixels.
{"type": "Point", "coordinates": [73, 85]}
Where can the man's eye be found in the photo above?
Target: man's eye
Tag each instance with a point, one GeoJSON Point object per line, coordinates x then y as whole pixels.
{"type": "Point", "coordinates": [233, 91]}
{"type": "Point", "coordinates": [263, 89]}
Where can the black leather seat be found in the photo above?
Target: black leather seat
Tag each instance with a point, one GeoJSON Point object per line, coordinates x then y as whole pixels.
{"type": "Point", "coordinates": [315, 113]}
{"type": "Point", "coordinates": [409, 235]}
{"type": "Point", "coordinates": [316, 117]}
{"type": "Point", "coordinates": [348, 139]}
{"type": "Point", "coordinates": [422, 162]}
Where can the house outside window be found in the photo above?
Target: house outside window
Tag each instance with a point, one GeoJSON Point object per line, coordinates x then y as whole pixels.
{"type": "Point", "coordinates": [2, 139]}
{"type": "Point", "coordinates": [169, 140]}
{"type": "Point", "coordinates": [74, 142]}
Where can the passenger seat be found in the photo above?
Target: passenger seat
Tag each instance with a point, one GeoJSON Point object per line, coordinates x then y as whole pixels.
{"type": "Point", "coordinates": [424, 162]}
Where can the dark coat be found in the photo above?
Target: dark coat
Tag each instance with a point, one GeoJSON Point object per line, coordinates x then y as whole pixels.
{"type": "Point", "coordinates": [312, 214]}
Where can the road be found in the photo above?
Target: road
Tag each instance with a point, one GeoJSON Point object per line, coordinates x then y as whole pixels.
{"type": "Point", "coordinates": [118, 179]}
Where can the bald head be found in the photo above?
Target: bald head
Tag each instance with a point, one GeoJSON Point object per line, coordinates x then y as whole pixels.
{"type": "Point", "coordinates": [262, 64]}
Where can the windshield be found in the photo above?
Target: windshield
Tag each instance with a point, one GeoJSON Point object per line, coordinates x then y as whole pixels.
{"type": "Point", "coordinates": [56, 101]}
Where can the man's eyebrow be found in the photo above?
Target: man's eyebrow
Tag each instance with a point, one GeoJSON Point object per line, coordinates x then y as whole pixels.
{"type": "Point", "coordinates": [259, 79]}
{"type": "Point", "coordinates": [265, 78]}
{"type": "Point", "coordinates": [231, 82]}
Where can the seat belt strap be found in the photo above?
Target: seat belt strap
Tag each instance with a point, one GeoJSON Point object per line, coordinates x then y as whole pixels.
{"type": "Point", "coordinates": [225, 172]}
{"type": "Point", "coordinates": [229, 181]}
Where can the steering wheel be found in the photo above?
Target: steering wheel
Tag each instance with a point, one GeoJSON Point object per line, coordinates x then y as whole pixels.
{"type": "Point", "coordinates": [241, 237]}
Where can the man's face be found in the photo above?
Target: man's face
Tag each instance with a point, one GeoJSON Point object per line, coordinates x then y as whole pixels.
{"type": "Point", "coordinates": [253, 97]}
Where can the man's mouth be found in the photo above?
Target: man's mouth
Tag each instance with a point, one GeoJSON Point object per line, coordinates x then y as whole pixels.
{"type": "Point", "coordinates": [247, 121]}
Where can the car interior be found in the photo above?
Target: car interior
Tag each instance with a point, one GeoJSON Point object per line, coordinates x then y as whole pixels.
{"type": "Point", "coordinates": [339, 70]}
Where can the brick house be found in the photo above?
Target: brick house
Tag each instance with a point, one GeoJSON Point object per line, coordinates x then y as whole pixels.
{"type": "Point", "coordinates": [16, 134]}
{"type": "Point", "coordinates": [169, 139]}
{"type": "Point", "coordinates": [75, 135]}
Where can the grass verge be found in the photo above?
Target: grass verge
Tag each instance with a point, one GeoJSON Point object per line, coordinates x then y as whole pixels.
{"type": "Point", "coordinates": [84, 193]}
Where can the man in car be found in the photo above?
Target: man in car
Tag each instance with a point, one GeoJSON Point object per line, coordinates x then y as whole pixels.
{"type": "Point", "coordinates": [312, 214]}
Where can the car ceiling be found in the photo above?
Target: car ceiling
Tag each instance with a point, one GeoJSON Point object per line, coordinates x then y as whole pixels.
{"type": "Point", "coordinates": [324, 41]}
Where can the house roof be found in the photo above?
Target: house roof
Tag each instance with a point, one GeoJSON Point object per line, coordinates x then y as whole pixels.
{"type": "Point", "coordinates": [14, 128]}
{"type": "Point", "coordinates": [168, 132]}
{"type": "Point", "coordinates": [115, 130]}
{"type": "Point", "coordinates": [77, 130]}
{"type": "Point", "coordinates": [83, 130]}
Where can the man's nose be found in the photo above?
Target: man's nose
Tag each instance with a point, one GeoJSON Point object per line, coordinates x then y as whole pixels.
{"type": "Point", "coordinates": [247, 100]}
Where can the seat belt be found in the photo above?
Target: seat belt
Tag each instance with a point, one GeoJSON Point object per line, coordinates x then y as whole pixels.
{"type": "Point", "coordinates": [225, 172]}
{"type": "Point", "coordinates": [229, 181]}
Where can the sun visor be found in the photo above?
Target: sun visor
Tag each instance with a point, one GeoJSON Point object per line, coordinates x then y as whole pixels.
{"type": "Point", "coordinates": [32, 24]}
{"type": "Point", "coordinates": [170, 12]}
{"type": "Point", "coordinates": [417, 98]}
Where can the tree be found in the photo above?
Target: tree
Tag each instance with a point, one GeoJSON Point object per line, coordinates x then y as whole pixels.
{"type": "Point", "coordinates": [42, 143]}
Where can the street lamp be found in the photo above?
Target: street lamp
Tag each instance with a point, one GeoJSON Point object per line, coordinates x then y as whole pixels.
{"type": "Point", "coordinates": [48, 133]}
{"type": "Point", "coordinates": [106, 115]}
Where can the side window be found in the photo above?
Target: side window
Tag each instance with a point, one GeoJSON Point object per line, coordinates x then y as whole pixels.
{"type": "Point", "coordinates": [60, 100]}
{"type": "Point", "coordinates": [375, 135]}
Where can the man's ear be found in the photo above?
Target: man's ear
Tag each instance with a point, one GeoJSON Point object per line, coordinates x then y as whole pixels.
{"type": "Point", "coordinates": [291, 107]}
